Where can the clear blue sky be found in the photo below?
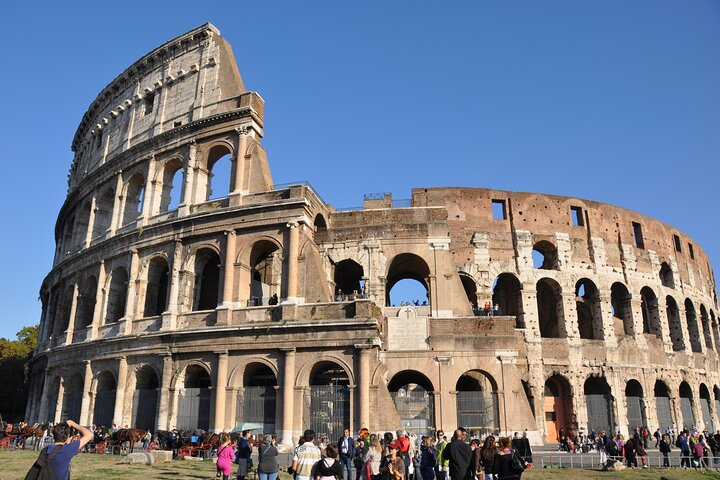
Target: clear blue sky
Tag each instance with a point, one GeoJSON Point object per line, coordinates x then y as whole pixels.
{"type": "Point", "coordinates": [615, 101]}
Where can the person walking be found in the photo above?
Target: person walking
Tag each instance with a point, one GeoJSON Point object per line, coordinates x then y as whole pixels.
{"type": "Point", "coordinates": [682, 443]}
{"type": "Point", "coordinates": [225, 456]}
{"type": "Point", "coordinates": [306, 456]}
{"type": "Point", "coordinates": [457, 452]}
{"type": "Point", "coordinates": [346, 447]}
{"type": "Point", "coordinates": [503, 461]}
{"type": "Point", "coordinates": [665, 449]}
{"type": "Point", "coordinates": [373, 458]}
{"type": "Point", "coordinates": [267, 459]}
{"type": "Point", "coordinates": [428, 458]}
{"type": "Point", "coordinates": [442, 464]}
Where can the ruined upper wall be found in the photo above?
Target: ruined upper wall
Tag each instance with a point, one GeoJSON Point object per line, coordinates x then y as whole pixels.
{"type": "Point", "coordinates": [188, 78]}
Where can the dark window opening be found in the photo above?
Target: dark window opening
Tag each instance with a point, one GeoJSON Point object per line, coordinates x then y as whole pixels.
{"type": "Point", "coordinates": [577, 216]}
{"type": "Point", "coordinates": [691, 250]}
{"type": "Point", "coordinates": [149, 103]}
{"type": "Point", "coordinates": [678, 245]}
{"type": "Point", "coordinates": [637, 234]}
{"type": "Point", "coordinates": [98, 141]}
{"type": "Point", "coordinates": [499, 210]}
{"type": "Point", "coordinates": [177, 124]}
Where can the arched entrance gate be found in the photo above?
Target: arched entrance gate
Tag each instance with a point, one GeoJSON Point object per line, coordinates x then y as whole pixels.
{"type": "Point", "coordinates": [412, 393]}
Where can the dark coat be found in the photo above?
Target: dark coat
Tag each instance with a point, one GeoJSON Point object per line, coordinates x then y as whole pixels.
{"type": "Point", "coordinates": [351, 447]}
{"type": "Point", "coordinates": [458, 454]}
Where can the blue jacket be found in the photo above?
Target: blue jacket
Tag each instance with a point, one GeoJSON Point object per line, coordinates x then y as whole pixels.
{"type": "Point", "coordinates": [350, 450]}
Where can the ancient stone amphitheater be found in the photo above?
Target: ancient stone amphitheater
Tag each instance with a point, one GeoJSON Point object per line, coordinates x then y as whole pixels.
{"type": "Point", "coordinates": [176, 300]}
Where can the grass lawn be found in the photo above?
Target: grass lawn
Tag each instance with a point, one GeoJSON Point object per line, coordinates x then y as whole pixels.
{"type": "Point", "coordinates": [14, 465]}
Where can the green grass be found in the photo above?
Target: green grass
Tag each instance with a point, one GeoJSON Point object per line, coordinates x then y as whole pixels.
{"type": "Point", "coordinates": [14, 465]}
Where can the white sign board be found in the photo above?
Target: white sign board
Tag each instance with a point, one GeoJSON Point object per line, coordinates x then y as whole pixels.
{"type": "Point", "coordinates": [407, 333]}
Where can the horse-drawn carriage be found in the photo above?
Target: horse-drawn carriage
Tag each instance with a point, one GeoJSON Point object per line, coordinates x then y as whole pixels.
{"type": "Point", "coordinates": [197, 446]}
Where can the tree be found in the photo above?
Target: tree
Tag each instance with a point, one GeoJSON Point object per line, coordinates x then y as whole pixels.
{"type": "Point", "coordinates": [15, 358]}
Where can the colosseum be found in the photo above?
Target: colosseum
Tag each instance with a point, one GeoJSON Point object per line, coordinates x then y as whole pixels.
{"type": "Point", "coordinates": [179, 302]}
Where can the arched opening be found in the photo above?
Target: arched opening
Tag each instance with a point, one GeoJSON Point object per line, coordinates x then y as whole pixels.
{"type": "Point", "coordinates": [54, 387]}
{"type": "Point", "coordinates": [348, 279]}
{"type": "Point", "coordinates": [686, 401]}
{"type": "Point", "coordinates": [666, 276]}
{"type": "Point", "coordinates": [407, 266]}
{"type": "Point", "coordinates": [172, 187]}
{"type": "Point", "coordinates": [194, 400]}
{"type": "Point", "coordinates": [599, 403]}
{"type": "Point", "coordinates": [662, 405]}
{"type": "Point", "coordinates": [507, 293]}
{"type": "Point", "coordinates": [621, 303]}
{"type": "Point", "coordinates": [545, 256]}
{"type": "Point", "coordinates": [716, 395]}
{"type": "Point", "coordinates": [86, 302]}
{"type": "Point", "coordinates": [650, 312]}
{"type": "Point", "coordinates": [117, 295]}
{"type": "Point", "coordinates": [207, 279]}
{"type": "Point", "coordinates": [412, 394]}
{"type": "Point", "coordinates": [104, 400]}
{"type": "Point", "coordinates": [470, 288]}
{"type": "Point", "coordinates": [705, 320]}
{"type": "Point", "coordinates": [68, 245]}
{"type": "Point", "coordinates": [550, 309]}
{"type": "Point", "coordinates": [81, 226]}
{"type": "Point", "coordinates": [103, 213]}
{"type": "Point", "coordinates": [589, 312]}
{"type": "Point", "coordinates": [64, 308]}
{"type": "Point", "coordinates": [673, 315]}
{"type": "Point", "coordinates": [257, 400]}
{"type": "Point", "coordinates": [477, 403]}
{"type": "Point", "coordinates": [557, 407]}
{"type": "Point", "coordinates": [716, 331]}
{"type": "Point", "coordinates": [156, 292]}
{"type": "Point", "coordinates": [635, 405]}
{"type": "Point", "coordinates": [219, 172]}
{"type": "Point", "coordinates": [692, 326]}
{"type": "Point", "coordinates": [705, 409]}
{"type": "Point", "coordinates": [329, 411]}
{"type": "Point", "coordinates": [319, 223]}
{"type": "Point", "coordinates": [144, 403]}
{"type": "Point", "coordinates": [265, 272]}
{"type": "Point", "coordinates": [72, 397]}
{"type": "Point", "coordinates": [134, 195]}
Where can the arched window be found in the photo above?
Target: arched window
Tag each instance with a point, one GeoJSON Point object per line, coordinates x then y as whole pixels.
{"type": "Point", "coordinates": [686, 401]}
{"type": "Point", "coordinates": [64, 307]}
{"type": "Point", "coordinates": [412, 394]}
{"type": "Point", "coordinates": [156, 292]}
{"type": "Point", "coordinates": [545, 256]}
{"type": "Point", "coordinates": [348, 279]}
{"type": "Point", "coordinates": [666, 276]}
{"type": "Point", "coordinates": [104, 400]}
{"type": "Point", "coordinates": [622, 306]}
{"type": "Point", "coordinates": [662, 405]}
{"type": "Point", "coordinates": [692, 324]}
{"type": "Point", "coordinates": [103, 213]}
{"type": "Point", "coordinates": [144, 402]}
{"type": "Point", "coordinates": [599, 405]}
{"type": "Point", "coordinates": [207, 279]}
{"type": "Point", "coordinates": [507, 294]}
{"type": "Point", "coordinates": [194, 400]}
{"type": "Point", "coordinates": [265, 272]}
{"type": "Point", "coordinates": [219, 172]}
{"type": "Point", "coordinates": [329, 411]}
{"type": "Point", "coordinates": [705, 409]}
{"type": "Point", "coordinates": [550, 309]}
{"type": "Point", "coordinates": [673, 315]}
{"type": "Point", "coordinates": [415, 273]}
{"type": "Point", "coordinates": [716, 333]}
{"type": "Point", "coordinates": [134, 195]}
{"type": "Point", "coordinates": [557, 407]}
{"type": "Point", "coordinates": [589, 312]}
{"type": "Point", "coordinates": [86, 302]}
{"type": "Point", "coordinates": [635, 405]}
{"type": "Point", "coordinates": [705, 320]}
{"type": "Point", "coordinates": [172, 185]}
{"type": "Point", "coordinates": [72, 398]}
{"type": "Point", "coordinates": [81, 226]}
{"type": "Point", "coordinates": [650, 312]}
{"type": "Point", "coordinates": [117, 295]}
{"type": "Point", "coordinates": [477, 403]}
{"type": "Point", "coordinates": [256, 402]}
{"type": "Point", "coordinates": [470, 288]}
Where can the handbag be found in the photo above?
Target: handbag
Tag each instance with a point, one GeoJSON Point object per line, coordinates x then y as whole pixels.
{"type": "Point", "coordinates": [517, 465]}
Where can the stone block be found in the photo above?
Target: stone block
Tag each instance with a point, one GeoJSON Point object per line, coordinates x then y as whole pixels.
{"type": "Point", "coordinates": [139, 458]}
{"type": "Point", "coordinates": [162, 456]}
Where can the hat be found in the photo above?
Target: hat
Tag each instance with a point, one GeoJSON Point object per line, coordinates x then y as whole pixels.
{"type": "Point", "coordinates": [395, 445]}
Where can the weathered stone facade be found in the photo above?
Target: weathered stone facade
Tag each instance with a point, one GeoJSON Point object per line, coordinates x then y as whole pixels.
{"type": "Point", "coordinates": [158, 311]}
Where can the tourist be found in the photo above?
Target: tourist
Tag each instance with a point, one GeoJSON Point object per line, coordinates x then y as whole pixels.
{"type": "Point", "coordinates": [640, 451]}
{"type": "Point", "coordinates": [487, 455]}
{"type": "Point", "coordinates": [522, 446]}
{"type": "Point", "coordinates": [503, 464]}
{"type": "Point", "coordinates": [630, 453]}
{"type": "Point", "coordinates": [346, 447]}
{"type": "Point", "coordinates": [657, 436]}
{"type": "Point", "coordinates": [428, 458]}
{"type": "Point", "coordinates": [457, 452]}
{"type": "Point", "coordinates": [682, 443]}
{"type": "Point", "coordinates": [67, 447]}
{"type": "Point", "coordinates": [243, 455]}
{"type": "Point", "coordinates": [323, 446]}
{"type": "Point", "coordinates": [267, 459]}
{"type": "Point", "coordinates": [306, 456]}
{"type": "Point", "coordinates": [225, 456]}
{"type": "Point", "coordinates": [441, 463]}
{"type": "Point", "coordinates": [359, 457]}
{"type": "Point", "coordinates": [395, 464]}
{"type": "Point", "coordinates": [698, 453]}
{"type": "Point", "coordinates": [475, 468]}
{"type": "Point", "coordinates": [373, 458]}
{"type": "Point", "coordinates": [665, 449]}
{"type": "Point", "coordinates": [329, 468]}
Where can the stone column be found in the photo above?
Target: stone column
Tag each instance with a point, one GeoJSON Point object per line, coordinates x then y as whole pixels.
{"type": "Point", "coordinates": [170, 315]}
{"type": "Point", "coordinates": [44, 399]}
{"type": "Point", "coordinates": [220, 391]}
{"type": "Point", "coordinates": [73, 310]}
{"type": "Point", "coordinates": [133, 280]}
{"type": "Point", "coordinates": [239, 164]}
{"type": "Point", "coordinates": [116, 219]}
{"type": "Point", "coordinates": [288, 400]}
{"type": "Point", "coordinates": [364, 384]}
{"type": "Point", "coordinates": [60, 399]}
{"type": "Point", "coordinates": [163, 416]}
{"type": "Point", "coordinates": [292, 262]}
{"type": "Point", "coordinates": [188, 193]}
{"type": "Point", "coordinates": [99, 303]}
{"type": "Point", "coordinates": [91, 221]}
{"type": "Point", "coordinates": [149, 195]}
{"type": "Point", "coordinates": [224, 311]}
{"type": "Point", "coordinates": [120, 392]}
{"type": "Point", "coordinates": [85, 406]}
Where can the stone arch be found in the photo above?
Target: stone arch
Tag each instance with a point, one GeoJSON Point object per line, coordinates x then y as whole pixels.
{"type": "Point", "coordinates": [348, 276]}
{"type": "Point", "coordinates": [470, 288]}
{"type": "Point", "coordinates": [589, 311]}
{"type": "Point", "coordinates": [173, 181]}
{"type": "Point", "coordinates": [53, 387]}
{"type": "Point", "coordinates": [220, 156]}
{"type": "Point", "coordinates": [256, 399]}
{"type": "Point", "coordinates": [407, 266]}
{"type": "Point", "coordinates": [708, 424]}
{"type": "Point", "coordinates": [551, 316]}
{"type": "Point", "coordinates": [86, 302]}
{"type": "Point", "coordinates": [715, 332]}
{"type": "Point", "coordinates": [557, 406]}
{"type": "Point", "coordinates": [692, 325]}
{"type": "Point", "coordinates": [194, 398]}
{"type": "Point", "coordinates": [666, 275]}
{"type": "Point", "coordinates": [236, 379]}
{"type": "Point", "coordinates": [328, 411]}
{"type": "Point", "coordinates": [686, 405]}
{"type": "Point", "coordinates": [157, 287]}
{"type": "Point", "coordinates": [320, 224]}
{"type": "Point", "coordinates": [545, 255]}
{"type": "Point", "coordinates": [716, 398]}
{"type": "Point", "coordinates": [705, 321]}
{"type": "Point", "coordinates": [207, 279]}
{"type": "Point", "coordinates": [144, 400]}
{"type": "Point", "coordinates": [635, 405]}
{"type": "Point", "coordinates": [507, 293]}
{"type": "Point", "coordinates": [673, 315]}
{"type": "Point", "coordinates": [477, 402]}
{"type": "Point", "coordinates": [662, 405]}
{"type": "Point", "coordinates": [64, 307]}
{"type": "Point", "coordinates": [105, 387]}
{"type": "Point", "coordinates": [103, 212]}
{"type": "Point", "coordinates": [621, 302]}
{"type": "Point", "coordinates": [116, 295]}
{"type": "Point", "coordinates": [72, 397]}
{"type": "Point", "coordinates": [599, 401]}
{"type": "Point", "coordinates": [304, 374]}
{"type": "Point", "coordinates": [650, 312]}
{"type": "Point", "coordinates": [82, 222]}
{"type": "Point", "coordinates": [265, 261]}
{"type": "Point", "coordinates": [133, 198]}
{"type": "Point", "coordinates": [413, 395]}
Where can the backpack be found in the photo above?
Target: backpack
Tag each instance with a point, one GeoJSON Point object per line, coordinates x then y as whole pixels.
{"type": "Point", "coordinates": [677, 442]}
{"type": "Point", "coordinates": [41, 469]}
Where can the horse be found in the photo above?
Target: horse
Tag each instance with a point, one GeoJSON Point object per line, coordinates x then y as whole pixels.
{"type": "Point", "coordinates": [209, 438]}
{"type": "Point", "coordinates": [35, 431]}
{"type": "Point", "coordinates": [131, 435]}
